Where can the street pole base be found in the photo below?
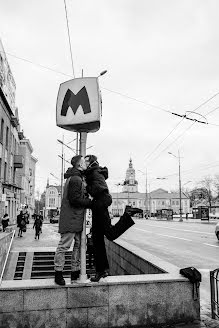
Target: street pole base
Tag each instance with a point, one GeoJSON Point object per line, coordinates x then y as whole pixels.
{"type": "Point", "coordinates": [180, 220]}
{"type": "Point", "coordinates": [83, 278]}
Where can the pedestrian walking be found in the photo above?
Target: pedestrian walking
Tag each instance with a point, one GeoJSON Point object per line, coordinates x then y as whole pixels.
{"type": "Point", "coordinates": [5, 221]}
{"type": "Point", "coordinates": [101, 223]}
{"type": "Point", "coordinates": [74, 202]}
{"type": "Point", "coordinates": [37, 225]}
{"type": "Point", "coordinates": [21, 223]}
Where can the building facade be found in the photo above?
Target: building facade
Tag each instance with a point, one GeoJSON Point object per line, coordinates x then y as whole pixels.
{"type": "Point", "coordinates": [150, 202]}
{"type": "Point", "coordinates": [52, 199]}
{"type": "Point", "coordinates": [27, 174]}
{"type": "Point", "coordinates": [12, 160]}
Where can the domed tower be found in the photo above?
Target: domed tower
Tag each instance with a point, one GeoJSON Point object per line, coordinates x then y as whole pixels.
{"type": "Point", "coordinates": [130, 184]}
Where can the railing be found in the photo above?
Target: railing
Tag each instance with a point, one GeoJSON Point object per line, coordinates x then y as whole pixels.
{"type": "Point", "coordinates": [6, 257]}
{"type": "Point", "coordinates": [214, 294]}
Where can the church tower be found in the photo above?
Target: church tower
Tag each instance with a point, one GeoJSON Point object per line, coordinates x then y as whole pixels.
{"type": "Point", "coordinates": [130, 184]}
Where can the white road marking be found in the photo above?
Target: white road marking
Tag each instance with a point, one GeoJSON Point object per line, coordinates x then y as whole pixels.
{"type": "Point", "coordinates": [159, 234]}
{"type": "Point", "coordinates": [162, 234]}
{"type": "Point", "coordinates": [144, 230]}
{"type": "Point", "coordinates": [211, 245]}
{"type": "Point", "coordinates": [207, 233]}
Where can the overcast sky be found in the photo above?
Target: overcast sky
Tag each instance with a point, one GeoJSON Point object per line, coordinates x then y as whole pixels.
{"type": "Point", "coordinates": [163, 53]}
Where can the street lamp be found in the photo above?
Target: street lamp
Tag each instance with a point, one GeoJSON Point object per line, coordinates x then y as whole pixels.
{"type": "Point", "coordinates": [102, 73]}
{"type": "Point", "coordinates": [180, 188]}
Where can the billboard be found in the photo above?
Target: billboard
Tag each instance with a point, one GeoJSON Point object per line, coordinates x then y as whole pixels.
{"type": "Point", "coordinates": [7, 83]}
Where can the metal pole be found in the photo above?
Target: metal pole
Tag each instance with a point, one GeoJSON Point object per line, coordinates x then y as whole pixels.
{"type": "Point", "coordinates": [83, 275]}
{"type": "Point", "coordinates": [62, 168]}
{"type": "Point", "coordinates": [180, 191]}
{"type": "Point", "coordinates": [146, 193]}
{"type": "Point", "coordinates": [117, 200]}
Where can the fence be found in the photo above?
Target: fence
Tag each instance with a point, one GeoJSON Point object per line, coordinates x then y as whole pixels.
{"type": "Point", "coordinates": [214, 294]}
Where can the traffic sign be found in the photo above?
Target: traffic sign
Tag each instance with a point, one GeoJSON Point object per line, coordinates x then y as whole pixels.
{"type": "Point", "coordinates": [78, 106]}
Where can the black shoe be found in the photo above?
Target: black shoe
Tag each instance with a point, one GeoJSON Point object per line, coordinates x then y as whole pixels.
{"type": "Point", "coordinates": [75, 275]}
{"type": "Point", "coordinates": [59, 280]}
{"type": "Point", "coordinates": [99, 275]}
{"type": "Point", "coordinates": [131, 210]}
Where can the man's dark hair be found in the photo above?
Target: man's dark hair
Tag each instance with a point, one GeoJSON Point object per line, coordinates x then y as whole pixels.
{"type": "Point", "coordinates": [75, 160]}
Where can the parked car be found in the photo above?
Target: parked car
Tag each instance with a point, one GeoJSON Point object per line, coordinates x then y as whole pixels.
{"type": "Point", "coordinates": [54, 219]}
{"type": "Point", "coordinates": [217, 230]}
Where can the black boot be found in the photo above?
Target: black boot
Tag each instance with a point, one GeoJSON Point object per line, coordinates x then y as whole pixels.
{"type": "Point", "coordinates": [99, 275]}
{"type": "Point", "coordinates": [59, 278]}
{"type": "Point", "coordinates": [131, 210]}
{"type": "Point", "coordinates": [75, 275]}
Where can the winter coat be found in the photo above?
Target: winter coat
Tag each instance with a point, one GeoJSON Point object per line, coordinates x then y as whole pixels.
{"type": "Point", "coordinates": [37, 223]}
{"type": "Point", "coordinates": [74, 202]}
{"type": "Point", "coordinates": [95, 178]}
{"type": "Point", "coordinates": [21, 220]}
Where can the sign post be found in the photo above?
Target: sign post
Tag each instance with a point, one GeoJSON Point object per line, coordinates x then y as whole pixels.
{"type": "Point", "coordinates": [83, 276]}
{"type": "Point", "coordinates": [79, 109]}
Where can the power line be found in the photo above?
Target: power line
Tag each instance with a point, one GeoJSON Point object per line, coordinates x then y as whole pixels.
{"type": "Point", "coordinates": [139, 101]}
{"type": "Point", "coordinates": [206, 101]}
{"type": "Point", "coordinates": [185, 117]}
{"type": "Point", "coordinates": [189, 127]}
{"type": "Point", "coordinates": [68, 75]}
{"type": "Point", "coordinates": [69, 40]}
{"type": "Point", "coordinates": [206, 166]}
{"type": "Point", "coordinates": [36, 64]}
{"type": "Point", "coordinates": [165, 138]}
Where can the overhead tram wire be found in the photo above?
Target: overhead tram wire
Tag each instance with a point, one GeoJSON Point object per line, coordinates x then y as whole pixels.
{"type": "Point", "coordinates": [184, 116]}
{"type": "Point", "coordinates": [119, 93]}
{"type": "Point", "coordinates": [189, 127]}
{"type": "Point", "coordinates": [205, 167]}
{"type": "Point", "coordinates": [36, 64]}
{"type": "Point", "coordinates": [149, 155]}
{"type": "Point", "coordinates": [139, 101]}
{"type": "Point", "coordinates": [69, 40]}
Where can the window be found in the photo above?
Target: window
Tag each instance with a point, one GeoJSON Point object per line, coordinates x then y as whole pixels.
{"type": "Point", "coordinates": [163, 203]}
{"type": "Point", "coordinates": [51, 202]}
{"type": "Point", "coordinates": [7, 139]}
{"type": "Point", "coordinates": [173, 202]}
{"type": "Point", "coordinates": [133, 203]}
{"type": "Point", "coordinates": [177, 202]}
{"type": "Point", "coordinates": [5, 172]}
{"type": "Point", "coordinates": [2, 131]}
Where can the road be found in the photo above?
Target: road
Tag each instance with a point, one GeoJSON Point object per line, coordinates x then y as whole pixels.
{"type": "Point", "coordinates": [182, 244]}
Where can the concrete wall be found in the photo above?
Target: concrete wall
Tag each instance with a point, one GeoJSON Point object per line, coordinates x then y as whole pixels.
{"type": "Point", "coordinates": [123, 261]}
{"type": "Point", "coordinates": [148, 300]}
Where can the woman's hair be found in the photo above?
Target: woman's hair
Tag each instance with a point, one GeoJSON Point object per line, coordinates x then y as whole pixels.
{"type": "Point", "coordinates": [5, 215]}
{"type": "Point", "coordinates": [91, 158]}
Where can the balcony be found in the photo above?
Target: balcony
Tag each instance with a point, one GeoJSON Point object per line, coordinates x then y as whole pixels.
{"type": "Point", "coordinates": [18, 161]}
{"type": "Point", "coordinates": [14, 121]}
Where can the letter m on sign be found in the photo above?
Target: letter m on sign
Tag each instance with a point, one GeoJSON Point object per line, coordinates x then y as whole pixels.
{"type": "Point", "coordinates": [74, 101]}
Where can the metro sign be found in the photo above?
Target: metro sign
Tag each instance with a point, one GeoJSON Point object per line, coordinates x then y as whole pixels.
{"type": "Point", "coordinates": [78, 106]}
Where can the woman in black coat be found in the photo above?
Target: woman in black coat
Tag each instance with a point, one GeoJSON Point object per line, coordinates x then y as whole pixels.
{"type": "Point", "coordinates": [101, 222]}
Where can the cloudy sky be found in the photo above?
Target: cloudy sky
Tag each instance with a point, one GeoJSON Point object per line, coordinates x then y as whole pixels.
{"type": "Point", "coordinates": [161, 57]}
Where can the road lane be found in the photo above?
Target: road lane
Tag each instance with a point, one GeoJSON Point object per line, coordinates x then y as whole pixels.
{"type": "Point", "coordinates": [181, 244]}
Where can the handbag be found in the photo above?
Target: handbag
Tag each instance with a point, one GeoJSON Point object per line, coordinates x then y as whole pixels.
{"type": "Point", "coordinates": [194, 277]}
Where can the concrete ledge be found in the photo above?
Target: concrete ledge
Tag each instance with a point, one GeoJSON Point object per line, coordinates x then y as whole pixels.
{"type": "Point", "coordinates": [148, 300]}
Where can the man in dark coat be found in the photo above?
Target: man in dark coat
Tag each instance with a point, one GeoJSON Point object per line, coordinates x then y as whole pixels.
{"type": "Point", "coordinates": [74, 203]}
{"type": "Point", "coordinates": [101, 223]}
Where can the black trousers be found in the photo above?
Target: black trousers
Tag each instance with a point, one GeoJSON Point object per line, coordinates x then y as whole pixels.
{"type": "Point", "coordinates": [101, 226]}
